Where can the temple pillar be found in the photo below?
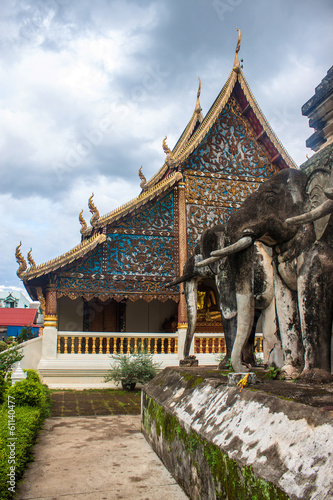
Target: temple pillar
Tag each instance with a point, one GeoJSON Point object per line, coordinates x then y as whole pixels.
{"type": "Point", "coordinates": [182, 256]}
{"type": "Point", "coordinates": [50, 331]}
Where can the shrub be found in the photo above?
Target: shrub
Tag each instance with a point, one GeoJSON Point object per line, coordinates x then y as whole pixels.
{"type": "Point", "coordinates": [32, 375]}
{"type": "Point", "coordinates": [9, 358]}
{"type": "Point", "coordinates": [3, 345]}
{"type": "Point", "coordinates": [27, 423]}
{"type": "Point", "coordinates": [130, 369]}
{"type": "Point", "coordinates": [26, 333]}
{"type": "Point", "coordinates": [29, 393]}
{"type": "Point", "coordinates": [3, 387]}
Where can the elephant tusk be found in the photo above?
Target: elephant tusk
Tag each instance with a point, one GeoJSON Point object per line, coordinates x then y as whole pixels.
{"type": "Point", "coordinates": [241, 244]}
{"type": "Point", "coordinates": [205, 262]}
{"type": "Point", "coordinates": [317, 213]}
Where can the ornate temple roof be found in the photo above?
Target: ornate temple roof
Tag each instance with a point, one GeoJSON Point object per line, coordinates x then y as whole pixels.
{"type": "Point", "coordinates": [68, 257]}
{"type": "Point", "coordinates": [143, 198]}
{"type": "Point", "coordinates": [238, 84]}
{"type": "Point", "coordinates": [170, 174]}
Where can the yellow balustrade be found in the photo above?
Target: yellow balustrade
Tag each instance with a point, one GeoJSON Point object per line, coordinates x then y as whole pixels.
{"type": "Point", "coordinates": [58, 347]}
{"type": "Point", "coordinates": [100, 345]}
{"type": "Point", "coordinates": [162, 346]}
{"type": "Point", "coordinates": [72, 345]}
{"type": "Point", "coordinates": [169, 345]}
{"type": "Point", "coordinates": [65, 347]}
{"type": "Point", "coordinates": [200, 345]}
{"type": "Point", "coordinates": [108, 340]}
{"type": "Point", "coordinates": [176, 345]}
{"type": "Point", "coordinates": [114, 350]}
{"type": "Point", "coordinates": [149, 345]}
{"type": "Point", "coordinates": [94, 345]}
{"type": "Point", "coordinates": [155, 346]}
{"type": "Point", "coordinates": [128, 350]}
{"type": "Point", "coordinates": [122, 345]}
{"type": "Point", "coordinates": [135, 345]}
{"type": "Point", "coordinates": [79, 346]}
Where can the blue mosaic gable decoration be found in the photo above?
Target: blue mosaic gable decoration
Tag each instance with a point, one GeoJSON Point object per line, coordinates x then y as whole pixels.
{"type": "Point", "coordinates": [138, 257]}
{"type": "Point", "coordinates": [223, 170]}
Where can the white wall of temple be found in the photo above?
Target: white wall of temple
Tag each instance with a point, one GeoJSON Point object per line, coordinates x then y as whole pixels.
{"type": "Point", "coordinates": [70, 314]}
{"type": "Point", "coordinates": [144, 316]}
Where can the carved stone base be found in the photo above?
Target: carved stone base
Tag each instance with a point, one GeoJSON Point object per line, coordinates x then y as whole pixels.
{"type": "Point", "coordinates": [190, 361]}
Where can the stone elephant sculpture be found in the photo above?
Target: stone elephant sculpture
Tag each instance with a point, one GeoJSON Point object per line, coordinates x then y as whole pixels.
{"type": "Point", "coordinates": [302, 267]}
{"type": "Point", "coordinates": [213, 239]}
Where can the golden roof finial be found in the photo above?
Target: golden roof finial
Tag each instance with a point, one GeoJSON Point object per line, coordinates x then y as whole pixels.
{"type": "Point", "coordinates": [93, 210]}
{"type": "Point", "coordinates": [197, 106]}
{"type": "Point", "coordinates": [20, 260]}
{"type": "Point", "coordinates": [31, 260]}
{"type": "Point", "coordinates": [166, 148]}
{"type": "Point", "coordinates": [83, 223]}
{"type": "Point", "coordinates": [143, 179]}
{"type": "Point", "coordinates": [236, 67]}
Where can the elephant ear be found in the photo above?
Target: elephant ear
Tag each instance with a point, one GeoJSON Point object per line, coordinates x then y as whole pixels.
{"type": "Point", "coordinates": [212, 239]}
{"type": "Point", "coordinates": [317, 183]}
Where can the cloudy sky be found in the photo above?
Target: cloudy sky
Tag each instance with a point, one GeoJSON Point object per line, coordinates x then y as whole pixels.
{"type": "Point", "coordinates": [89, 88]}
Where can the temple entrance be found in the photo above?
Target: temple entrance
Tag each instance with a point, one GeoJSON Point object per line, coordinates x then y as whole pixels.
{"type": "Point", "coordinates": [107, 316]}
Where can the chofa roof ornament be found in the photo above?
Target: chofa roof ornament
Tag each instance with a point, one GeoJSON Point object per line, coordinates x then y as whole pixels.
{"type": "Point", "coordinates": [169, 159]}
{"type": "Point", "coordinates": [21, 261]}
{"type": "Point", "coordinates": [94, 211]}
{"type": "Point", "coordinates": [143, 183]}
{"type": "Point", "coordinates": [197, 106]}
{"type": "Point", "coordinates": [237, 66]}
{"type": "Point", "coordinates": [31, 260]}
{"type": "Point", "coordinates": [83, 223]}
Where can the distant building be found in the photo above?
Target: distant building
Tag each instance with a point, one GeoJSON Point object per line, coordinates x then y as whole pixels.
{"type": "Point", "coordinates": [16, 311]}
{"type": "Point", "coordinates": [13, 299]}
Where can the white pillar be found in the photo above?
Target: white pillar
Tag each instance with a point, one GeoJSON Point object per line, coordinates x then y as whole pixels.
{"type": "Point", "coordinates": [50, 341]}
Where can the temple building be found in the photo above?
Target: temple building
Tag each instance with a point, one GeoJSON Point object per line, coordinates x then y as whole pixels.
{"type": "Point", "coordinates": [115, 279]}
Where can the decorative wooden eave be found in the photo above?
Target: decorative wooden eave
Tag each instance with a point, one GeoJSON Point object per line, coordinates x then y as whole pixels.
{"type": "Point", "coordinates": [236, 79]}
{"type": "Point", "coordinates": [145, 196]}
{"type": "Point", "coordinates": [65, 259]}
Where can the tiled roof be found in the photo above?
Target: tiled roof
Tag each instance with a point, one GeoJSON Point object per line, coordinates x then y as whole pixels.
{"type": "Point", "coordinates": [17, 317]}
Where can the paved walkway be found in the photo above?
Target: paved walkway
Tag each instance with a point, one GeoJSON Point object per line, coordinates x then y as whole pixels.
{"type": "Point", "coordinates": [96, 458]}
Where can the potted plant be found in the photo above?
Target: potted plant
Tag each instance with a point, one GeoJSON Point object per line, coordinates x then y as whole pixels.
{"type": "Point", "coordinates": [130, 369]}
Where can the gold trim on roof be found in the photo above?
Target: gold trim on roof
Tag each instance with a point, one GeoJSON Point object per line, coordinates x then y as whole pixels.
{"type": "Point", "coordinates": [142, 199]}
{"type": "Point", "coordinates": [68, 257]}
{"type": "Point", "coordinates": [31, 260]}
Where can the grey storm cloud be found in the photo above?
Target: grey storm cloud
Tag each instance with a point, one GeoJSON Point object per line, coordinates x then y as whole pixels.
{"type": "Point", "coordinates": [88, 90]}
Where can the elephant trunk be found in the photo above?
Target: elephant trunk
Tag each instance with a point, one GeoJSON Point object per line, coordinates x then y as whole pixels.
{"type": "Point", "coordinates": [315, 214]}
{"type": "Point", "coordinates": [241, 244]}
{"type": "Point", "coordinates": [191, 295]}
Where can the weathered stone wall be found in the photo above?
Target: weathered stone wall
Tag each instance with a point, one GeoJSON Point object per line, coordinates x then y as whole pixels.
{"type": "Point", "coordinates": [222, 444]}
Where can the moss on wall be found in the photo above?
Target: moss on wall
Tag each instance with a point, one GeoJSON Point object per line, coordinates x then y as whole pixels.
{"type": "Point", "coordinates": [230, 480]}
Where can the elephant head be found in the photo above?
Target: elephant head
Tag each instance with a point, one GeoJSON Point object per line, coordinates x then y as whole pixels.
{"type": "Point", "coordinates": [302, 268]}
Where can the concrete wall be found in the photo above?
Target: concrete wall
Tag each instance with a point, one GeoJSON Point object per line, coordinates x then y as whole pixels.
{"type": "Point", "coordinates": [70, 314]}
{"type": "Point", "coordinates": [220, 443]}
{"type": "Point", "coordinates": [32, 350]}
{"type": "Point", "coordinates": [142, 316]}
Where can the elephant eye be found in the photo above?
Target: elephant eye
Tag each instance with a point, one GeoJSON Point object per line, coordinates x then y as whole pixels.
{"type": "Point", "coordinates": [270, 198]}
